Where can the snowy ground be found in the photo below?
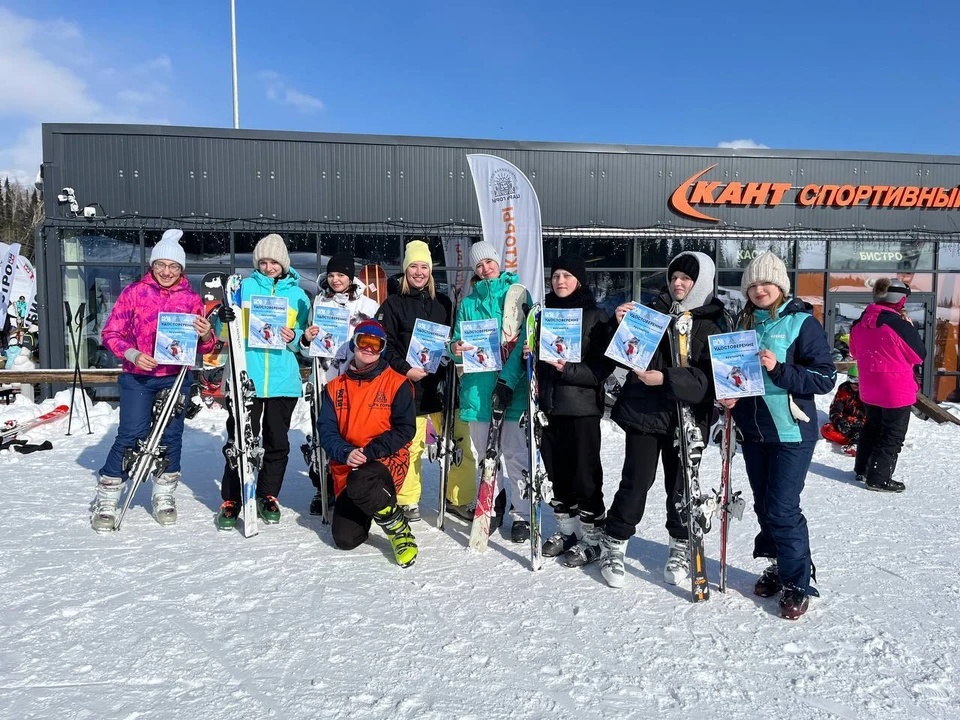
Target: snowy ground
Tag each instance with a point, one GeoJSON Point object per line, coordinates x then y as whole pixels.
{"type": "Point", "coordinates": [189, 622]}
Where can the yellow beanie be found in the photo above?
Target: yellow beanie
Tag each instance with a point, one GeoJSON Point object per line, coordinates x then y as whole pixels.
{"type": "Point", "coordinates": [417, 251]}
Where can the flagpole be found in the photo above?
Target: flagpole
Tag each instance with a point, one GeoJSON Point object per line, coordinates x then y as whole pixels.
{"type": "Point", "coordinates": [233, 39]}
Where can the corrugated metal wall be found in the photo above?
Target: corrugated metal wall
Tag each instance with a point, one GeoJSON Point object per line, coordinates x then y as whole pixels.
{"type": "Point", "coordinates": [183, 173]}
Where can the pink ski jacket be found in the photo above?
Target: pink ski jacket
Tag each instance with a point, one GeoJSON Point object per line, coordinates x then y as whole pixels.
{"type": "Point", "coordinates": [133, 321]}
{"type": "Point", "coordinates": [886, 348]}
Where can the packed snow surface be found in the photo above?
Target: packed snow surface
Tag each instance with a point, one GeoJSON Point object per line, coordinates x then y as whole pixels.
{"type": "Point", "coordinates": [190, 622]}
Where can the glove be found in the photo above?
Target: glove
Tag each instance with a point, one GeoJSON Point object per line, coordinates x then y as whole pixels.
{"type": "Point", "coordinates": [502, 395]}
{"type": "Point", "coordinates": [226, 314]}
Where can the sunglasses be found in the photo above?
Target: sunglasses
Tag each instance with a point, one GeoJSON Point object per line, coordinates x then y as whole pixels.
{"type": "Point", "coordinates": [370, 342]}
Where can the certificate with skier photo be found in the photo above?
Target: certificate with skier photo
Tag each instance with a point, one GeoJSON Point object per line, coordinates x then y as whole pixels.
{"type": "Point", "coordinates": [560, 331]}
{"type": "Point", "coordinates": [427, 345]}
{"type": "Point", "coordinates": [637, 337]}
{"type": "Point", "coordinates": [176, 342]}
{"type": "Point", "coordinates": [737, 371]}
{"type": "Point", "coordinates": [482, 338]}
{"type": "Point", "coordinates": [334, 329]}
{"type": "Point", "coordinates": [267, 315]}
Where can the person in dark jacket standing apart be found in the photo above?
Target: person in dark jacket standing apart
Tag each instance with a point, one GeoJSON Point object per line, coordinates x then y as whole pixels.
{"type": "Point", "coordinates": [887, 347]}
{"type": "Point", "coordinates": [646, 409]}
{"type": "Point", "coordinates": [780, 428]}
{"type": "Point", "coordinates": [571, 396]}
{"type": "Point", "coordinates": [415, 299]}
{"type": "Point", "coordinates": [366, 424]}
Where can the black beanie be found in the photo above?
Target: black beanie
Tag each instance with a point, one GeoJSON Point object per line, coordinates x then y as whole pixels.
{"type": "Point", "coordinates": [687, 264]}
{"type": "Point", "coordinates": [574, 265]}
{"type": "Point", "coordinates": [342, 262]}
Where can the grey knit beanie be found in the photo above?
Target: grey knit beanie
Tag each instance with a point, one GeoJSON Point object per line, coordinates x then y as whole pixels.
{"type": "Point", "coordinates": [766, 268]}
{"type": "Point", "coordinates": [481, 251]}
{"type": "Point", "coordinates": [273, 248]}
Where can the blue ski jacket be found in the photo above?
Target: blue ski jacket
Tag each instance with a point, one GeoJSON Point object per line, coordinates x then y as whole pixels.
{"type": "Point", "coordinates": [804, 368]}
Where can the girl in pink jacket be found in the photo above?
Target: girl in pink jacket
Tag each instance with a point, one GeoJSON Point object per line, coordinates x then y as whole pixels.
{"type": "Point", "coordinates": [130, 334]}
{"type": "Point", "coordinates": [887, 348]}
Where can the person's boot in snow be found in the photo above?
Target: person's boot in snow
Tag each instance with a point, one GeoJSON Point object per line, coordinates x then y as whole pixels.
{"type": "Point", "coordinates": [793, 602]}
{"type": "Point", "coordinates": [227, 517]}
{"type": "Point", "coordinates": [769, 583]}
{"type": "Point", "coordinates": [567, 534]}
{"type": "Point", "coordinates": [611, 560]}
{"type": "Point", "coordinates": [587, 549]}
{"type": "Point", "coordinates": [104, 518]}
{"type": "Point", "coordinates": [396, 527]}
{"type": "Point", "coordinates": [164, 505]}
{"type": "Point", "coordinates": [677, 569]}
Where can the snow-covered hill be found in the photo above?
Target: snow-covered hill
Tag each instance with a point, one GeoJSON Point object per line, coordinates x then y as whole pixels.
{"type": "Point", "coordinates": [189, 622]}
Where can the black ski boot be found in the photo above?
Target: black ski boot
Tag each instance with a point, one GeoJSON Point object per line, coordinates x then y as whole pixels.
{"type": "Point", "coordinates": [793, 602]}
{"type": "Point", "coordinates": [769, 583]}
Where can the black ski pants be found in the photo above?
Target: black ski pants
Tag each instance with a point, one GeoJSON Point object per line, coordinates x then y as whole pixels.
{"type": "Point", "coordinates": [271, 417]}
{"type": "Point", "coordinates": [369, 489]}
{"type": "Point", "coordinates": [880, 442]}
{"type": "Point", "coordinates": [570, 448]}
{"type": "Point", "coordinates": [637, 477]}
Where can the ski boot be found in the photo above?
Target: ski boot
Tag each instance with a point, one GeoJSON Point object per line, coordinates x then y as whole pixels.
{"type": "Point", "coordinates": [227, 517]}
{"type": "Point", "coordinates": [268, 509]}
{"type": "Point", "coordinates": [520, 531]}
{"type": "Point", "coordinates": [396, 527]}
{"type": "Point", "coordinates": [677, 569]}
{"type": "Point", "coordinates": [164, 505]}
{"type": "Point", "coordinates": [411, 512]}
{"type": "Point", "coordinates": [567, 534]}
{"type": "Point", "coordinates": [611, 560]}
{"type": "Point", "coordinates": [885, 485]}
{"type": "Point", "coordinates": [769, 583]}
{"type": "Point", "coordinates": [104, 518]}
{"type": "Point", "coordinates": [316, 505]}
{"type": "Point", "coordinates": [793, 602]}
{"type": "Point", "coordinates": [587, 549]}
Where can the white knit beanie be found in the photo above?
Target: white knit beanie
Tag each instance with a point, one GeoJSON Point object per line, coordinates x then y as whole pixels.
{"type": "Point", "coordinates": [481, 251]}
{"type": "Point", "coordinates": [766, 268]}
{"type": "Point", "coordinates": [273, 248]}
{"type": "Point", "coordinates": [169, 249]}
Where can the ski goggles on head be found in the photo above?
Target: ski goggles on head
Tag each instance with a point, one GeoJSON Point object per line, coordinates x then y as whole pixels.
{"type": "Point", "coordinates": [369, 342]}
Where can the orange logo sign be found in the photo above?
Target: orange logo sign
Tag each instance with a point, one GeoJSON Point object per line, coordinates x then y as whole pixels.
{"type": "Point", "coordinates": [703, 193]}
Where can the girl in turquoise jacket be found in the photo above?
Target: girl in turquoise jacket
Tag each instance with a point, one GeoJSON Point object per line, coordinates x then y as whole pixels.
{"type": "Point", "coordinates": [477, 389]}
{"type": "Point", "coordinates": [276, 377]}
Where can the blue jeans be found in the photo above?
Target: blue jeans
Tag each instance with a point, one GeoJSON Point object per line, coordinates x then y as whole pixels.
{"type": "Point", "coordinates": [137, 393]}
{"type": "Point", "coordinates": [777, 472]}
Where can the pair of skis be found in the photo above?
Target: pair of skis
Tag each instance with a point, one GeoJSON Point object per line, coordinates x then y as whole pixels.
{"type": "Point", "coordinates": [11, 429]}
{"type": "Point", "coordinates": [313, 453]}
{"type": "Point", "coordinates": [446, 447]}
{"type": "Point", "coordinates": [696, 508]}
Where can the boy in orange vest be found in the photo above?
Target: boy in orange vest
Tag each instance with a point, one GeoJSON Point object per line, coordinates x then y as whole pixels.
{"type": "Point", "coordinates": [367, 422]}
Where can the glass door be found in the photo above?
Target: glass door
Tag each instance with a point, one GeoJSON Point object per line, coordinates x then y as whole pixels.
{"type": "Point", "coordinates": [843, 309]}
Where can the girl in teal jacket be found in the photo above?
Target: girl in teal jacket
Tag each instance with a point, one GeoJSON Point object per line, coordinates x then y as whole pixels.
{"type": "Point", "coordinates": [276, 377]}
{"type": "Point", "coordinates": [477, 389]}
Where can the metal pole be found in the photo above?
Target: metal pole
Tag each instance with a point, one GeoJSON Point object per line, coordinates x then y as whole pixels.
{"type": "Point", "coordinates": [233, 39]}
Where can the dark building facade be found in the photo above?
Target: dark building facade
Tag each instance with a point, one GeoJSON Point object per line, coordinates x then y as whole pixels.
{"type": "Point", "coordinates": [839, 220]}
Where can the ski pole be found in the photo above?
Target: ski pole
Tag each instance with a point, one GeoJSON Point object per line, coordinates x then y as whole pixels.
{"type": "Point", "coordinates": [76, 362]}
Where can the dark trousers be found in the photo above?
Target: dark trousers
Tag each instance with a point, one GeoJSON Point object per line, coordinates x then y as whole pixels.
{"type": "Point", "coordinates": [637, 477]}
{"type": "Point", "coordinates": [570, 448]}
{"type": "Point", "coordinates": [137, 394]}
{"type": "Point", "coordinates": [777, 472]}
{"type": "Point", "coordinates": [272, 417]}
{"type": "Point", "coordinates": [369, 489]}
{"type": "Point", "coordinates": [880, 442]}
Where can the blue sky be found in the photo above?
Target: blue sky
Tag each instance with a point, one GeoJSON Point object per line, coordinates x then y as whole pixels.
{"type": "Point", "coordinates": [816, 75]}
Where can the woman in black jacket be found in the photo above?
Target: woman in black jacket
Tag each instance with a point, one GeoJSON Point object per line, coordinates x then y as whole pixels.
{"type": "Point", "coordinates": [646, 409]}
{"type": "Point", "coordinates": [417, 298]}
{"type": "Point", "coordinates": [571, 395]}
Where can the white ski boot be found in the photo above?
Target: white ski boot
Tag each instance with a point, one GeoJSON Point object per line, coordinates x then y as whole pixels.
{"type": "Point", "coordinates": [164, 504]}
{"type": "Point", "coordinates": [611, 560]}
{"type": "Point", "coordinates": [677, 569]}
{"type": "Point", "coordinates": [104, 518]}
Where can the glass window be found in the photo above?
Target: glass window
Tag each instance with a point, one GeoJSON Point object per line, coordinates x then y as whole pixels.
{"type": "Point", "coordinates": [949, 255]}
{"type": "Point", "coordinates": [810, 288]}
{"type": "Point", "coordinates": [904, 255]}
{"type": "Point", "coordinates": [199, 247]}
{"type": "Point", "coordinates": [551, 250]}
{"type": "Point", "coordinates": [728, 292]}
{"type": "Point", "coordinates": [597, 252]}
{"type": "Point", "coordinates": [863, 282]}
{"type": "Point", "coordinates": [652, 282]}
{"type": "Point", "coordinates": [811, 254]}
{"type": "Point", "coordinates": [947, 339]}
{"type": "Point", "coordinates": [378, 249]}
{"type": "Point", "coordinates": [100, 246]}
{"type": "Point", "coordinates": [658, 252]}
{"type": "Point", "coordinates": [738, 252]}
{"type": "Point", "coordinates": [610, 288]}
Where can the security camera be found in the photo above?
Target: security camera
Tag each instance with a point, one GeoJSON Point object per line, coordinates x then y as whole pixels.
{"type": "Point", "coordinates": [68, 196]}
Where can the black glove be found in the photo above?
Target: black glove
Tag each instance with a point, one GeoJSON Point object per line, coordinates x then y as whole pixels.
{"type": "Point", "coordinates": [226, 313]}
{"type": "Point", "coordinates": [502, 395]}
